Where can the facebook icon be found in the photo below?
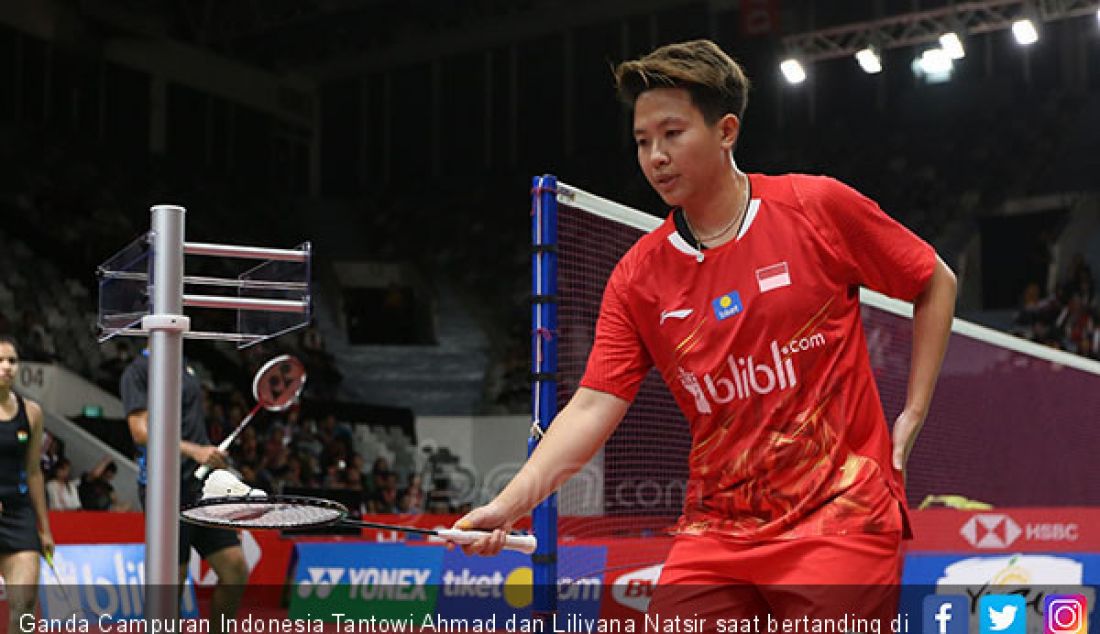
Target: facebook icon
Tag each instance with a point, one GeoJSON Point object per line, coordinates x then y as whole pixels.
{"type": "Point", "coordinates": [946, 614]}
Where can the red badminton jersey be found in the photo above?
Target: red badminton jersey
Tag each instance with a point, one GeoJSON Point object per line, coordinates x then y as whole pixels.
{"type": "Point", "coordinates": [762, 346]}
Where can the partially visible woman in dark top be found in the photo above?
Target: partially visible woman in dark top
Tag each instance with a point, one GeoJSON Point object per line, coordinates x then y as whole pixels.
{"type": "Point", "coordinates": [24, 522]}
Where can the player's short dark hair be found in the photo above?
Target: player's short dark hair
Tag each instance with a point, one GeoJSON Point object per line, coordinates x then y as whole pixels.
{"type": "Point", "coordinates": [717, 84]}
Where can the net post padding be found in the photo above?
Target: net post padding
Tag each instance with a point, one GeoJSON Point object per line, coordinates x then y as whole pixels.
{"type": "Point", "coordinates": [544, 368]}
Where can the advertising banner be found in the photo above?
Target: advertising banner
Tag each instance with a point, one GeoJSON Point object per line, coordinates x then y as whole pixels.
{"type": "Point", "coordinates": [100, 583]}
{"type": "Point", "coordinates": [1059, 529]}
{"type": "Point", "coordinates": [500, 587]}
{"type": "Point", "coordinates": [633, 567]}
{"type": "Point", "coordinates": [336, 582]}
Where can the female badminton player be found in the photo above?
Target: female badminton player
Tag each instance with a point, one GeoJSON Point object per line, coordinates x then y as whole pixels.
{"type": "Point", "coordinates": [24, 521]}
{"type": "Point", "coordinates": [746, 300]}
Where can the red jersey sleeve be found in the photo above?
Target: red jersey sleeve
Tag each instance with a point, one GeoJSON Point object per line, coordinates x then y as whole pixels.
{"type": "Point", "coordinates": [619, 360]}
{"type": "Point", "coordinates": [877, 251]}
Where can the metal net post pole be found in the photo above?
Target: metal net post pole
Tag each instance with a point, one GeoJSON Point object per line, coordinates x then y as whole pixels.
{"type": "Point", "coordinates": [166, 325]}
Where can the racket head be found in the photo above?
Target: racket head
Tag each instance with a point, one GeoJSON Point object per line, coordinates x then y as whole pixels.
{"type": "Point", "coordinates": [272, 512]}
{"type": "Point", "coordinates": [279, 382]}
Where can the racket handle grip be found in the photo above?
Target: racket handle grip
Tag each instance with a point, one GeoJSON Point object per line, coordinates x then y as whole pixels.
{"type": "Point", "coordinates": [204, 470]}
{"type": "Point", "coordinates": [223, 446]}
{"type": "Point", "coordinates": [525, 544]}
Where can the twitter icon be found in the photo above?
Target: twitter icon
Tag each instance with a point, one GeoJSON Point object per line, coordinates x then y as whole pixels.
{"type": "Point", "coordinates": [1002, 614]}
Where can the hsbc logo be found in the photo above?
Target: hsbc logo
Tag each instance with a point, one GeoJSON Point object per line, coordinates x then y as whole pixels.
{"type": "Point", "coordinates": [991, 531]}
{"type": "Point", "coordinates": [1000, 531]}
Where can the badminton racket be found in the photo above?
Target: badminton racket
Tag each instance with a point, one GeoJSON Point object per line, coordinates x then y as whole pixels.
{"type": "Point", "coordinates": [73, 605]}
{"type": "Point", "coordinates": [292, 511]}
{"type": "Point", "coordinates": [276, 386]}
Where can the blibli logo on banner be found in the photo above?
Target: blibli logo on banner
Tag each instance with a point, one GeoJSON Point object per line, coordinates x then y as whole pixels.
{"type": "Point", "coordinates": [102, 583]}
{"type": "Point", "coordinates": [480, 587]}
{"type": "Point", "coordinates": [392, 581]}
{"type": "Point", "coordinates": [728, 305]}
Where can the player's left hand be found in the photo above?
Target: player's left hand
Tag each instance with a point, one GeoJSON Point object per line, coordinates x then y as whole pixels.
{"type": "Point", "coordinates": [906, 427]}
{"type": "Point", "coordinates": [48, 545]}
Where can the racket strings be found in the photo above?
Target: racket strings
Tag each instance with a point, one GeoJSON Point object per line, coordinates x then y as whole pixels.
{"type": "Point", "coordinates": [279, 383]}
{"type": "Point", "coordinates": [263, 515]}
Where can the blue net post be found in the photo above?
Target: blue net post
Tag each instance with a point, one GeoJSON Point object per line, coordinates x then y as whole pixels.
{"type": "Point", "coordinates": [544, 385]}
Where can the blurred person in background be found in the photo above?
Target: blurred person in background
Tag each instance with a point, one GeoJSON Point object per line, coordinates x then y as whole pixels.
{"type": "Point", "coordinates": [96, 491]}
{"type": "Point", "coordinates": [63, 492]}
{"type": "Point", "coordinates": [221, 548]}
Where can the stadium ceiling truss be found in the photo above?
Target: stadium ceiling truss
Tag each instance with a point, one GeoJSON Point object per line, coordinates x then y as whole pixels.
{"type": "Point", "coordinates": [922, 27]}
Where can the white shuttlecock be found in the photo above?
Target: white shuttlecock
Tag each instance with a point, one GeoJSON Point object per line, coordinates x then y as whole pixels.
{"type": "Point", "coordinates": [222, 483]}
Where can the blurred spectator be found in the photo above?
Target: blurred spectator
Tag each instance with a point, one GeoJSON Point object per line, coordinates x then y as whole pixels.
{"type": "Point", "coordinates": [337, 451]}
{"type": "Point", "coordinates": [1075, 325]}
{"type": "Point", "coordinates": [310, 471]}
{"type": "Point", "coordinates": [307, 441]}
{"type": "Point", "coordinates": [254, 478]}
{"type": "Point", "coordinates": [413, 495]}
{"type": "Point", "coordinates": [53, 451]}
{"type": "Point", "coordinates": [62, 493]}
{"type": "Point", "coordinates": [439, 502]}
{"type": "Point", "coordinates": [404, 505]}
{"type": "Point", "coordinates": [411, 500]}
{"type": "Point", "coordinates": [384, 500]}
{"type": "Point", "coordinates": [275, 455]}
{"type": "Point", "coordinates": [1036, 315]}
{"type": "Point", "coordinates": [330, 429]}
{"type": "Point", "coordinates": [246, 449]}
{"type": "Point", "coordinates": [378, 473]}
{"type": "Point", "coordinates": [96, 491]}
{"type": "Point", "coordinates": [216, 423]}
{"type": "Point", "coordinates": [334, 475]}
{"type": "Point", "coordinates": [353, 479]}
{"type": "Point", "coordinates": [1078, 279]}
{"type": "Point", "coordinates": [1067, 320]}
{"type": "Point", "coordinates": [290, 475]}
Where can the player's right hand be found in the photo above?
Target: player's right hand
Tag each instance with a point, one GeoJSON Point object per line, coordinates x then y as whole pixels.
{"type": "Point", "coordinates": [489, 518]}
{"type": "Point", "coordinates": [211, 456]}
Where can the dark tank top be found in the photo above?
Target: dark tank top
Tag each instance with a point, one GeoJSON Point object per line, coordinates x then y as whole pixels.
{"type": "Point", "coordinates": [15, 438]}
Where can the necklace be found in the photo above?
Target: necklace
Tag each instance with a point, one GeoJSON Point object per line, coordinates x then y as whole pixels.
{"type": "Point", "coordinates": [738, 219]}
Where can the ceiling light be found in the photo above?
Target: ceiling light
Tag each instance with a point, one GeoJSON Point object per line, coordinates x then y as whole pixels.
{"type": "Point", "coordinates": [793, 71]}
{"type": "Point", "coordinates": [952, 44]}
{"type": "Point", "coordinates": [869, 60]}
{"type": "Point", "coordinates": [1025, 32]}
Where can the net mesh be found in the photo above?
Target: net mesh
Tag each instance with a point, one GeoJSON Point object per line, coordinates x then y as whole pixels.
{"type": "Point", "coordinates": [269, 513]}
{"type": "Point", "coordinates": [636, 482]}
{"type": "Point", "coordinates": [1006, 427]}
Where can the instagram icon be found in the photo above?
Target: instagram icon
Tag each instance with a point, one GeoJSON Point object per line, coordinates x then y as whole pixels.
{"type": "Point", "coordinates": [1065, 614]}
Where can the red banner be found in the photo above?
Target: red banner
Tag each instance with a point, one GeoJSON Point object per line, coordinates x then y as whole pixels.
{"type": "Point", "coordinates": [1056, 529]}
{"type": "Point", "coordinates": [267, 553]}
